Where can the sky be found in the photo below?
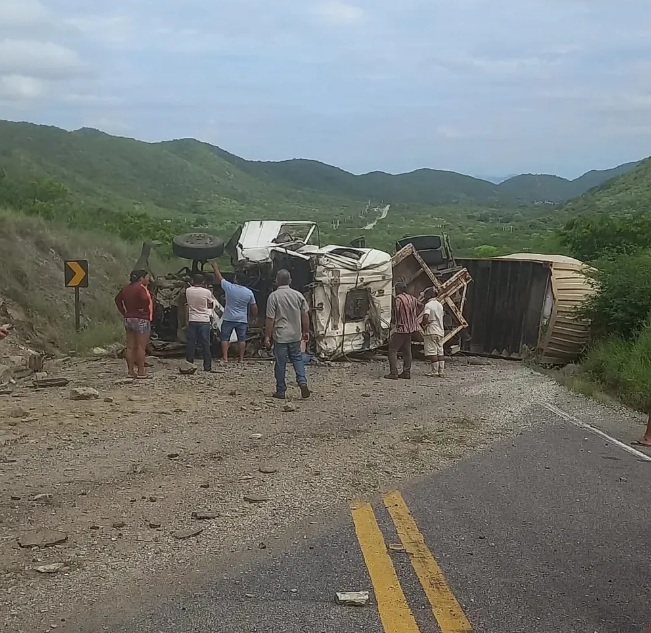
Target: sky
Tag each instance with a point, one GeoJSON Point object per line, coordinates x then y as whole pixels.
{"type": "Point", "coordinates": [481, 87]}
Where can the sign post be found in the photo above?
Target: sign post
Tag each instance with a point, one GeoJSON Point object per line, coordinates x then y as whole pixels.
{"type": "Point", "coordinates": [75, 272]}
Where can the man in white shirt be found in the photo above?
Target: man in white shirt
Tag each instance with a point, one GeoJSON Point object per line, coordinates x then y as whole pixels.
{"type": "Point", "coordinates": [433, 331]}
{"type": "Point", "coordinates": [200, 303]}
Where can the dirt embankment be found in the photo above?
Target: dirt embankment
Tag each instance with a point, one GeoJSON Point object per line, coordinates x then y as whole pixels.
{"type": "Point", "coordinates": [153, 479]}
{"type": "Point", "coordinates": [32, 292]}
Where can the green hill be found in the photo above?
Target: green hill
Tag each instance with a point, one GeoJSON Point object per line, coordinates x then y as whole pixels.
{"type": "Point", "coordinates": [536, 188]}
{"type": "Point", "coordinates": [188, 176]}
{"type": "Point", "coordinates": [627, 193]}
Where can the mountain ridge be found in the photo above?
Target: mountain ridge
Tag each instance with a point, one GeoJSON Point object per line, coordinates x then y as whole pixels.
{"type": "Point", "coordinates": [188, 175]}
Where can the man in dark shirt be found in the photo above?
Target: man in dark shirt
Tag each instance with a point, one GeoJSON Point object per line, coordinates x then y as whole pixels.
{"type": "Point", "coordinates": [407, 309]}
{"type": "Point", "coordinates": [137, 308]}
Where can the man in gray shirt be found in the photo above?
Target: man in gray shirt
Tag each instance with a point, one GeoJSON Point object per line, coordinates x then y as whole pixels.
{"type": "Point", "coordinates": [288, 322]}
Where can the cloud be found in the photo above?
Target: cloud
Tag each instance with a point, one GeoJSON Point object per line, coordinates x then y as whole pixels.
{"type": "Point", "coordinates": [339, 13]}
{"type": "Point", "coordinates": [114, 30]}
{"type": "Point", "coordinates": [19, 87]}
{"type": "Point", "coordinates": [484, 87]}
{"type": "Point", "coordinates": [22, 13]}
{"type": "Point", "coordinates": [43, 60]}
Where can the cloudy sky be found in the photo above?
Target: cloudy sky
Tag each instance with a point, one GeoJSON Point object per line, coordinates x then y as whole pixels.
{"type": "Point", "coordinates": [486, 87]}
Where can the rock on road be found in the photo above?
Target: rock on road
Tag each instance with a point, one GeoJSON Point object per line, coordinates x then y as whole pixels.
{"type": "Point", "coordinates": [534, 523]}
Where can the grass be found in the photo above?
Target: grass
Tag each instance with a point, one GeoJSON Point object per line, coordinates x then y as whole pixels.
{"type": "Point", "coordinates": [614, 370]}
{"type": "Point", "coordinates": [622, 368]}
{"type": "Point", "coordinates": [31, 279]}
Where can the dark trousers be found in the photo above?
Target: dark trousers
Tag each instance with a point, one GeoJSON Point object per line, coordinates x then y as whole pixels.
{"type": "Point", "coordinates": [199, 333]}
{"type": "Point", "coordinates": [400, 342]}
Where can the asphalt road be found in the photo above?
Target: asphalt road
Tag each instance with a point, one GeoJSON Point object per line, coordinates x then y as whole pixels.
{"type": "Point", "coordinates": [550, 532]}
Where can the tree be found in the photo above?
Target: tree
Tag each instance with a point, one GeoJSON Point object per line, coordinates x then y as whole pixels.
{"type": "Point", "coordinates": [590, 237]}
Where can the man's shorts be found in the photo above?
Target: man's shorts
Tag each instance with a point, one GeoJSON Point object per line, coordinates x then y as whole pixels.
{"type": "Point", "coordinates": [139, 326]}
{"type": "Point", "coordinates": [433, 345]}
{"type": "Point", "coordinates": [228, 327]}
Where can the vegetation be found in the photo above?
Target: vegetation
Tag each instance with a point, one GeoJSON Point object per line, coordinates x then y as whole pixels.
{"type": "Point", "coordinates": [87, 183]}
{"type": "Point", "coordinates": [613, 233]}
{"type": "Point", "coordinates": [141, 190]}
{"type": "Point", "coordinates": [33, 285]}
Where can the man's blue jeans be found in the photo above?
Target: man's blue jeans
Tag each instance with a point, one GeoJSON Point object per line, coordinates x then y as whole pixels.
{"type": "Point", "coordinates": [199, 333]}
{"type": "Point", "coordinates": [282, 353]}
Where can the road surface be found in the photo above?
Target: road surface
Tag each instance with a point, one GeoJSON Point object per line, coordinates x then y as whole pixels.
{"type": "Point", "coordinates": [548, 531]}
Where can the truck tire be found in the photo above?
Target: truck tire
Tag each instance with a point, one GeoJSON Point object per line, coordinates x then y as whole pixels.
{"type": "Point", "coordinates": [197, 246]}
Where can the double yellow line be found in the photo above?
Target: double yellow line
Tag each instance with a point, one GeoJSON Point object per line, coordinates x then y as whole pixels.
{"type": "Point", "coordinates": [392, 604]}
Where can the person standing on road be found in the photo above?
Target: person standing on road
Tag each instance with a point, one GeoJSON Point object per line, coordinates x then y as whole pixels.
{"type": "Point", "coordinates": [433, 331]}
{"type": "Point", "coordinates": [137, 308]}
{"type": "Point", "coordinates": [287, 322]}
{"type": "Point", "coordinates": [240, 304]}
{"type": "Point", "coordinates": [200, 303]}
{"type": "Point", "coordinates": [406, 323]}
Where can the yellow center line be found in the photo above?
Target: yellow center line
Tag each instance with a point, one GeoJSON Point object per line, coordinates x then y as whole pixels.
{"type": "Point", "coordinates": [394, 611]}
{"type": "Point", "coordinates": [446, 609]}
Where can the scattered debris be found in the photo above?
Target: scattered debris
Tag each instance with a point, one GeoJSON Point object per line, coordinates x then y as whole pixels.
{"type": "Point", "coordinates": [45, 496]}
{"type": "Point", "coordinates": [172, 456]}
{"type": "Point", "coordinates": [42, 538]}
{"type": "Point", "coordinates": [137, 399]}
{"type": "Point", "coordinates": [52, 568]}
{"type": "Point", "coordinates": [255, 498]}
{"type": "Point", "coordinates": [17, 412]}
{"type": "Point", "coordinates": [352, 598]}
{"type": "Point", "coordinates": [396, 547]}
{"type": "Point", "coordinates": [84, 393]}
{"type": "Point", "coordinates": [187, 369]}
{"type": "Point", "coordinates": [204, 515]}
{"type": "Point", "coordinates": [154, 525]}
{"type": "Point", "coordinates": [109, 399]}
{"type": "Point", "coordinates": [181, 535]}
{"type": "Point", "coordinates": [205, 484]}
{"type": "Point", "coordinates": [255, 436]}
{"type": "Point", "coordinates": [8, 438]}
{"type": "Point", "coordinates": [289, 408]}
{"type": "Point", "coordinates": [119, 524]}
{"type": "Point", "coordinates": [262, 546]}
{"type": "Point", "coordinates": [268, 469]}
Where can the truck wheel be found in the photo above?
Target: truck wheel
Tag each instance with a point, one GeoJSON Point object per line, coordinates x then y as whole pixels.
{"type": "Point", "coordinates": [197, 246]}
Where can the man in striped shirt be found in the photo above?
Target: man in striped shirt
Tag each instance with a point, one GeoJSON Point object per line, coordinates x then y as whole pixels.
{"type": "Point", "coordinates": [407, 309]}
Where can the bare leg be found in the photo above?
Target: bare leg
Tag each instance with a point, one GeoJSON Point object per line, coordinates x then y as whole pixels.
{"type": "Point", "coordinates": [241, 348]}
{"type": "Point", "coordinates": [441, 365]}
{"type": "Point", "coordinates": [225, 345]}
{"type": "Point", "coordinates": [141, 354]}
{"type": "Point", "coordinates": [130, 353]}
{"type": "Point", "coordinates": [646, 438]}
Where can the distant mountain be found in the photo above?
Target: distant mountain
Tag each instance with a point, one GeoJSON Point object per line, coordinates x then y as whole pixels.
{"type": "Point", "coordinates": [424, 186]}
{"type": "Point", "coordinates": [496, 180]}
{"type": "Point", "coordinates": [629, 192]}
{"type": "Point", "coordinates": [532, 188]}
{"type": "Point", "coordinates": [190, 177]}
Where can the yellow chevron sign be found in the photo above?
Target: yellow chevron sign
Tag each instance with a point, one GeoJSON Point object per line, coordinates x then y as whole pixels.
{"type": "Point", "coordinates": [76, 273]}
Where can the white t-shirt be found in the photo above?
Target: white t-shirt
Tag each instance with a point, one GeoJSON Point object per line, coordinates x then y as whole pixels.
{"type": "Point", "coordinates": [434, 312]}
{"type": "Point", "coordinates": [200, 301]}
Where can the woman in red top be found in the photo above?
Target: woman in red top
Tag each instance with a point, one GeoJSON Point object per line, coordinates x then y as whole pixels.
{"type": "Point", "coordinates": [136, 306]}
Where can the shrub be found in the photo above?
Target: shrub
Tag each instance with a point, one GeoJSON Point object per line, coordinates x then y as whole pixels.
{"type": "Point", "coordinates": [623, 368]}
{"type": "Point", "coordinates": [622, 303]}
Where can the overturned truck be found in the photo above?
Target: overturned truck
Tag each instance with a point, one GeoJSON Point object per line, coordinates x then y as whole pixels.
{"type": "Point", "coordinates": [348, 289]}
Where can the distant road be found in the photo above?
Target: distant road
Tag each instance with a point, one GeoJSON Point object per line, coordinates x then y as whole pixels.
{"type": "Point", "coordinates": [383, 214]}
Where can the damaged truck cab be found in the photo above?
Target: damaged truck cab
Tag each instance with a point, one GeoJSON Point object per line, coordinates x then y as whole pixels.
{"type": "Point", "coordinates": [347, 289]}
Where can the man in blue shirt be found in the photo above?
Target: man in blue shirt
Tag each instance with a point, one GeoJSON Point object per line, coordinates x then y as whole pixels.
{"type": "Point", "coordinates": [240, 304]}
